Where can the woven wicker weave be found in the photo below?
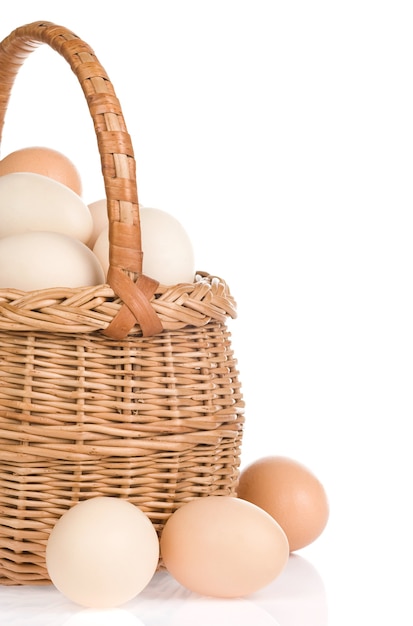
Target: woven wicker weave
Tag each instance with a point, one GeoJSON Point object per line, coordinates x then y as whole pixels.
{"type": "Point", "coordinates": [128, 389]}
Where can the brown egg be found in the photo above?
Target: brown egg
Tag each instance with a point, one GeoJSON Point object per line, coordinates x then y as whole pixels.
{"type": "Point", "coordinates": [224, 547]}
{"type": "Point", "coordinates": [290, 493]}
{"type": "Point", "coordinates": [45, 161]}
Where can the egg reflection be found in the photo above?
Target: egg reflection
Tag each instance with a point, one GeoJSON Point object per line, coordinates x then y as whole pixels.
{"type": "Point", "coordinates": [107, 617]}
{"type": "Point", "coordinates": [298, 596]}
{"type": "Point", "coordinates": [218, 612]}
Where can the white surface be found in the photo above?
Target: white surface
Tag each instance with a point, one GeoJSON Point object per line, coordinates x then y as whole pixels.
{"type": "Point", "coordinates": [281, 134]}
{"type": "Point", "coordinates": [296, 597]}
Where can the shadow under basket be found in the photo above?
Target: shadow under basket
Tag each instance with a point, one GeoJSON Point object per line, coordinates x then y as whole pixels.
{"type": "Point", "coordinates": [128, 389]}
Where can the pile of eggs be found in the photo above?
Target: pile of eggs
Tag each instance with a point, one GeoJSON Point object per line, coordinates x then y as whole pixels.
{"type": "Point", "coordinates": [50, 237]}
{"type": "Point", "coordinates": [104, 551]}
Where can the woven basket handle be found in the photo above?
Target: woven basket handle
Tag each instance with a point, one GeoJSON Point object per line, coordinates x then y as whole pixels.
{"type": "Point", "coordinates": [117, 162]}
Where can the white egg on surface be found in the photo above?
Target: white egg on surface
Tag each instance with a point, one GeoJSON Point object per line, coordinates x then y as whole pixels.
{"type": "Point", "coordinates": [168, 255]}
{"type": "Point", "coordinates": [42, 260]}
{"type": "Point", "coordinates": [99, 212]}
{"type": "Point", "coordinates": [102, 552]}
{"type": "Point", "coordinates": [33, 202]}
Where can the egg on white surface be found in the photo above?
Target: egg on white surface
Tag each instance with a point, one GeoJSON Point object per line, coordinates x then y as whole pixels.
{"type": "Point", "coordinates": [290, 493]}
{"type": "Point", "coordinates": [42, 260]}
{"type": "Point", "coordinates": [168, 254]}
{"type": "Point", "coordinates": [102, 552]}
{"type": "Point", "coordinates": [222, 546]}
{"type": "Point", "coordinates": [45, 161]}
{"type": "Point", "coordinates": [33, 202]}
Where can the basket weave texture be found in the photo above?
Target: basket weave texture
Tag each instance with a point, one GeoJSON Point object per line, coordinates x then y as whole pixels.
{"type": "Point", "coordinates": [128, 389]}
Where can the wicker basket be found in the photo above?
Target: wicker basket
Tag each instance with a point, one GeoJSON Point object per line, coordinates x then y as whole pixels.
{"type": "Point", "coordinates": [127, 389]}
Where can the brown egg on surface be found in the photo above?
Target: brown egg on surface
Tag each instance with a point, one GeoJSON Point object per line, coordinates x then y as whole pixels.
{"type": "Point", "coordinates": [222, 546]}
{"type": "Point", "coordinates": [45, 161]}
{"type": "Point", "coordinates": [290, 493]}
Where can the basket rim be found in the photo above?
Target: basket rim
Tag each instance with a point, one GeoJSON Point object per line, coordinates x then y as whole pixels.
{"type": "Point", "coordinates": [135, 298]}
{"type": "Point", "coordinates": [91, 309]}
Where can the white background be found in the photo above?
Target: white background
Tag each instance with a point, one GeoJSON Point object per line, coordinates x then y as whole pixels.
{"type": "Point", "coordinates": [280, 133]}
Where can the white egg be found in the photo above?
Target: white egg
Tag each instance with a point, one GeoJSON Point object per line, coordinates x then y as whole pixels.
{"type": "Point", "coordinates": [99, 212]}
{"type": "Point", "coordinates": [102, 552]}
{"type": "Point", "coordinates": [33, 202]}
{"type": "Point", "coordinates": [101, 249]}
{"type": "Point", "coordinates": [168, 255]}
{"type": "Point", "coordinates": [41, 260]}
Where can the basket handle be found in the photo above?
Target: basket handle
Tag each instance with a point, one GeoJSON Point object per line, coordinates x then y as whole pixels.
{"type": "Point", "coordinates": [117, 163]}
